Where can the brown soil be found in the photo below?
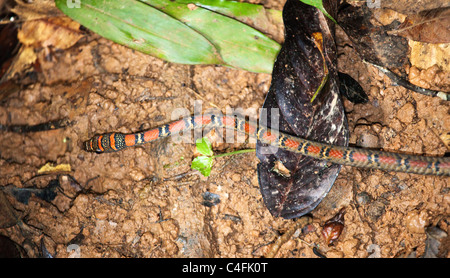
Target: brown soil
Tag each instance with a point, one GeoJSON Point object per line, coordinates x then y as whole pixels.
{"type": "Point", "coordinates": [147, 202]}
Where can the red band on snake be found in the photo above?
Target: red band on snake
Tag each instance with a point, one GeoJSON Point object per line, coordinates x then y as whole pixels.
{"type": "Point", "coordinates": [357, 157]}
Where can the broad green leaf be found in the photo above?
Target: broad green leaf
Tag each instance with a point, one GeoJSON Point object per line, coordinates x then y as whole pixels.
{"type": "Point", "coordinates": [318, 4]}
{"type": "Point", "coordinates": [144, 28]}
{"type": "Point", "coordinates": [202, 164]}
{"type": "Point", "coordinates": [239, 45]}
{"type": "Point", "coordinates": [176, 32]}
{"type": "Point", "coordinates": [204, 146]}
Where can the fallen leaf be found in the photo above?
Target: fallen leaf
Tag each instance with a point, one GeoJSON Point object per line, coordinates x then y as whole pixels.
{"type": "Point", "coordinates": [432, 26]}
{"type": "Point", "coordinates": [372, 42]}
{"type": "Point", "coordinates": [37, 9]}
{"type": "Point", "coordinates": [433, 242]}
{"type": "Point", "coordinates": [48, 168]}
{"type": "Point", "coordinates": [22, 62]}
{"type": "Point", "coordinates": [59, 32]}
{"type": "Point", "coordinates": [351, 90]}
{"type": "Point", "coordinates": [23, 195]}
{"type": "Point", "coordinates": [333, 228]}
{"type": "Point", "coordinates": [298, 72]}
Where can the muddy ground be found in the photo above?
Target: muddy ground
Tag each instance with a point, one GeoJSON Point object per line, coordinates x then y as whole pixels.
{"type": "Point", "coordinates": [147, 202]}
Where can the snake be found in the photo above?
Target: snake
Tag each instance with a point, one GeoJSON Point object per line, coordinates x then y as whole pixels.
{"type": "Point", "coordinates": [343, 155]}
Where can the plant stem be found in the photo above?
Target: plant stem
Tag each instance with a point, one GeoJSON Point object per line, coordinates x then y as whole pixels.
{"type": "Point", "coordinates": [235, 152]}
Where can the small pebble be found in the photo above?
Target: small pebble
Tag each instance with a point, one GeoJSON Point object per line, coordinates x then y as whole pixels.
{"type": "Point", "coordinates": [368, 140]}
{"type": "Point", "coordinates": [236, 177]}
{"type": "Point", "coordinates": [210, 199]}
{"type": "Point", "coordinates": [363, 198]}
{"type": "Point", "coordinates": [406, 113]}
{"type": "Point", "coordinates": [416, 221]}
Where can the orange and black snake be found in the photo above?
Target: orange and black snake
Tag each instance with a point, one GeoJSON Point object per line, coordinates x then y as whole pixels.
{"type": "Point", "coordinates": [111, 142]}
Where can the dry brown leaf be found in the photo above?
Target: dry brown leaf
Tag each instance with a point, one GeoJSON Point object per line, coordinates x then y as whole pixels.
{"type": "Point", "coordinates": [43, 26]}
{"type": "Point", "coordinates": [59, 32]}
{"type": "Point", "coordinates": [431, 26]}
{"type": "Point", "coordinates": [49, 168]}
{"type": "Point", "coordinates": [36, 9]}
{"type": "Point", "coordinates": [22, 62]}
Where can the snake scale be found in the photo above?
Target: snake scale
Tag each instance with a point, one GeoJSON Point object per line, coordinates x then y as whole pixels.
{"type": "Point", "coordinates": [357, 157]}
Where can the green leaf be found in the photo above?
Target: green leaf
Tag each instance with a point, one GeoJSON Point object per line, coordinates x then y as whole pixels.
{"type": "Point", "coordinates": [244, 12]}
{"type": "Point", "coordinates": [202, 164]}
{"type": "Point", "coordinates": [204, 146]}
{"type": "Point", "coordinates": [238, 44]}
{"type": "Point", "coordinates": [144, 28]}
{"type": "Point", "coordinates": [324, 81]}
{"type": "Point", "coordinates": [318, 4]}
{"type": "Point", "coordinates": [170, 30]}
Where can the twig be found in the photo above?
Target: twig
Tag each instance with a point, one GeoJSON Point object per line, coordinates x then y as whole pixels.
{"type": "Point", "coordinates": [51, 125]}
{"type": "Point", "coordinates": [404, 83]}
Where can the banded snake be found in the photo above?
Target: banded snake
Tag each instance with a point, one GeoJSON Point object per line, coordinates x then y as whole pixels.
{"type": "Point", "coordinates": [357, 157]}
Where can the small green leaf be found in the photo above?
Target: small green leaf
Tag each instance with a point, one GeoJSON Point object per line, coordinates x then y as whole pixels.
{"type": "Point", "coordinates": [324, 81]}
{"type": "Point", "coordinates": [318, 4]}
{"type": "Point", "coordinates": [204, 146]}
{"type": "Point", "coordinates": [203, 164]}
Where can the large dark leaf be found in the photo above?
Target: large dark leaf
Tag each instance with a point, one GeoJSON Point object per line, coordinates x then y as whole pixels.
{"type": "Point", "coordinates": [375, 46]}
{"type": "Point", "coordinates": [298, 72]}
{"type": "Point", "coordinates": [373, 42]}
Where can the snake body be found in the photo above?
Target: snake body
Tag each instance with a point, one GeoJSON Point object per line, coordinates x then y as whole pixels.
{"type": "Point", "coordinates": [365, 158]}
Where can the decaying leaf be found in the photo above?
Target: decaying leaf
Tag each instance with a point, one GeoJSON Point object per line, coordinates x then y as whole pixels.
{"type": "Point", "coordinates": [372, 42]}
{"type": "Point", "coordinates": [58, 32]}
{"type": "Point", "coordinates": [37, 9]}
{"type": "Point", "coordinates": [433, 242]}
{"type": "Point", "coordinates": [350, 89]}
{"type": "Point", "coordinates": [432, 26]}
{"type": "Point", "coordinates": [333, 228]}
{"type": "Point", "coordinates": [23, 195]}
{"type": "Point", "coordinates": [298, 73]}
{"type": "Point", "coordinates": [22, 62]}
{"type": "Point", "coordinates": [49, 168]}
{"type": "Point", "coordinates": [375, 46]}
{"type": "Point", "coordinates": [409, 6]}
